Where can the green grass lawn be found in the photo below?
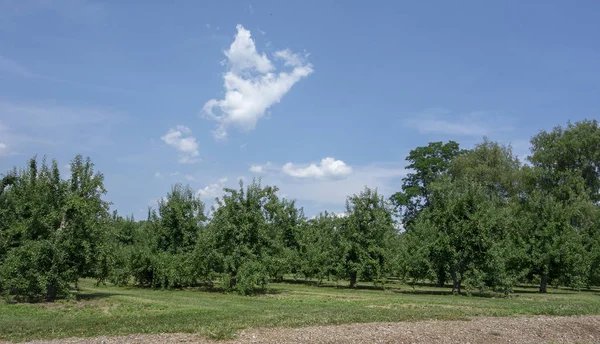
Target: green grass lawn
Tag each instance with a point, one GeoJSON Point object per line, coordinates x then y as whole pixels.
{"type": "Point", "coordinates": [107, 310]}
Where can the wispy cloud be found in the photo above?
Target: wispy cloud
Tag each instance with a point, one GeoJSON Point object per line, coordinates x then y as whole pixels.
{"type": "Point", "coordinates": [251, 84]}
{"type": "Point", "coordinates": [471, 124]}
{"type": "Point", "coordinates": [182, 140]}
{"type": "Point", "coordinates": [4, 149]}
{"type": "Point", "coordinates": [10, 66]}
{"type": "Point", "coordinates": [25, 126]}
{"type": "Point", "coordinates": [84, 11]}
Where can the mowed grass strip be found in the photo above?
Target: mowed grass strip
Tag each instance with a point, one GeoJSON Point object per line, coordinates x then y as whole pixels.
{"type": "Point", "coordinates": [108, 310]}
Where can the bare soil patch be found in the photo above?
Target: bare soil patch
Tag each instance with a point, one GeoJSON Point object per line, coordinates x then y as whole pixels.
{"type": "Point", "coordinates": [538, 329]}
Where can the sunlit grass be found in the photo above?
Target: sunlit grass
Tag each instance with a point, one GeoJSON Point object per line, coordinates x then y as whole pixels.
{"type": "Point", "coordinates": [108, 310]}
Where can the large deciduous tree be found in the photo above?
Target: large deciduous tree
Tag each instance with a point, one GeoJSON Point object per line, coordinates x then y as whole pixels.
{"type": "Point", "coordinates": [51, 230]}
{"type": "Point", "coordinates": [366, 235]}
{"type": "Point", "coordinates": [241, 238]}
{"type": "Point", "coordinates": [428, 163]}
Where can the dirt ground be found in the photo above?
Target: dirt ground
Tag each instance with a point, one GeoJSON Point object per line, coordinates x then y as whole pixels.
{"type": "Point", "coordinates": [540, 329]}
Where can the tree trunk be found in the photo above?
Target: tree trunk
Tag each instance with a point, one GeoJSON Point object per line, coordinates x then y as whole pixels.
{"type": "Point", "coordinates": [456, 282]}
{"type": "Point", "coordinates": [441, 275]}
{"type": "Point", "coordinates": [544, 283]}
{"type": "Point", "coordinates": [353, 276]}
{"type": "Point", "coordinates": [50, 291]}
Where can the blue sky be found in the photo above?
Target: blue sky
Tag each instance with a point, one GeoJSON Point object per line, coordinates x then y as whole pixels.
{"type": "Point", "coordinates": [317, 97]}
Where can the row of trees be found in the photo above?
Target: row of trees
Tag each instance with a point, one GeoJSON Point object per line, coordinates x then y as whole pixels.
{"type": "Point", "coordinates": [478, 219]}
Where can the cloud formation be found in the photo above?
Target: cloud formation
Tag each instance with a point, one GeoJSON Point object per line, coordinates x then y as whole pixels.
{"type": "Point", "coordinates": [9, 66]}
{"type": "Point", "coordinates": [260, 169]}
{"type": "Point", "coordinates": [332, 192]}
{"type": "Point", "coordinates": [251, 84]}
{"type": "Point", "coordinates": [212, 191]}
{"type": "Point", "coordinates": [329, 167]}
{"type": "Point", "coordinates": [181, 138]}
{"type": "Point", "coordinates": [478, 124]}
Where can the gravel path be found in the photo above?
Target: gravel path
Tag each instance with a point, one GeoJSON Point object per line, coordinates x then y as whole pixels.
{"type": "Point", "coordinates": [541, 329]}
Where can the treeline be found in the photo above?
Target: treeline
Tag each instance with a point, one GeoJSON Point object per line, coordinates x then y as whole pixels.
{"type": "Point", "coordinates": [477, 219]}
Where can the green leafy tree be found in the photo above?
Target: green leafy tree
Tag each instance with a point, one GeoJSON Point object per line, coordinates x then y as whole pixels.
{"type": "Point", "coordinates": [85, 217]}
{"type": "Point", "coordinates": [461, 230]}
{"type": "Point", "coordinates": [574, 148]}
{"type": "Point", "coordinates": [490, 164]}
{"type": "Point", "coordinates": [241, 238]}
{"type": "Point", "coordinates": [51, 230]}
{"type": "Point", "coordinates": [365, 235]}
{"type": "Point", "coordinates": [181, 218]}
{"type": "Point", "coordinates": [428, 164]}
{"type": "Point", "coordinates": [552, 221]}
{"type": "Point", "coordinates": [319, 247]}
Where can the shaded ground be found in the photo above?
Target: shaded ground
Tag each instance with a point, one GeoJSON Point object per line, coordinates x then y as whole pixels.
{"type": "Point", "coordinates": [538, 329]}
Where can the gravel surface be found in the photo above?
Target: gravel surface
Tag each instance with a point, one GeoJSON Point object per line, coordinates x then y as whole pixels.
{"type": "Point", "coordinates": [540, 329]}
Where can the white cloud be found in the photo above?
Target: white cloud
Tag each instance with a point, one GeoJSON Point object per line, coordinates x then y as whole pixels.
{"type": "Point", "coordinates": [3, 149]}
{"type": "Point", "coordinates": [242, 55]}
{"type": "Point", "coordinates": [158, 175]}
{"type": "Point", "coordinates": [251, 86]}
{"type": "Point", "coordinates": [212, 191]}
{"type": "Point", "coordinates": [387, 178]}
{"type": "Point", "coordinates": [290, 59]}
{"type": "Point", "coordinates": [256, 169]}
{"type": "Point", "coordinates": [181, 138]}
{"type": "Point", "coordinates": [264, 168]}
{"type": "Point", "coordinates": [329, 167]}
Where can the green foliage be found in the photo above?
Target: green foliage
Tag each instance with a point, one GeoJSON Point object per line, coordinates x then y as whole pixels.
{"type": "Point", "coordinates": [181, 218]}
{"type": "Point", "coordinates": [365, 237]}
{"type": "Point", "coordinates": [37, 270]}
{"type": "Point", "coordinates": [460, 231]}
{"type": "Point", "coordinates": [428, 164]}
{"type": "Point", "coordinates": [243, 237]}
{"type": "Point", "coordinates": [51, 230]}
{"type": "Point", "coordinates": [319, 248]}
{"type": "Point", "coordinates": [476, 217]}
{"type": "Point", "coordinates": [575, 148]}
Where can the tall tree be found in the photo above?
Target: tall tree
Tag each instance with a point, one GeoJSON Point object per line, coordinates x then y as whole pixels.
{"type": "Point", "coordinates": [181, 218]}
{"type": "Point", "coordinates": [241, 238]}
{"type": "Point", "coordinates": [574, 148]}
{"type": "Point", "coordinates": [428, 164]}
{"type": "Point", "coordinates": [552, 220]}
{"type": "Point", "coordinates": [460, 231]}
{"type": "Point", "coordinates": [365, 236]}
{"type": "Point", "coordinates": [319, 247]}
{"type": "Point", "coordinates": [85, 217]}
{"type": "Point", "coordinates": [490, 164]}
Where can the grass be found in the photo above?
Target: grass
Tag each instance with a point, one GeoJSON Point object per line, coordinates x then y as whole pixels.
{"type": "Point", "coordinates": [108, 310]}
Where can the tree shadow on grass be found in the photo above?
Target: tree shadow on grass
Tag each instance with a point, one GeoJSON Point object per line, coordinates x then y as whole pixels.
{"type": "Point", "coordinates": [93, 296]}
{"type": "Point", "coordinates": [330, 285]}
